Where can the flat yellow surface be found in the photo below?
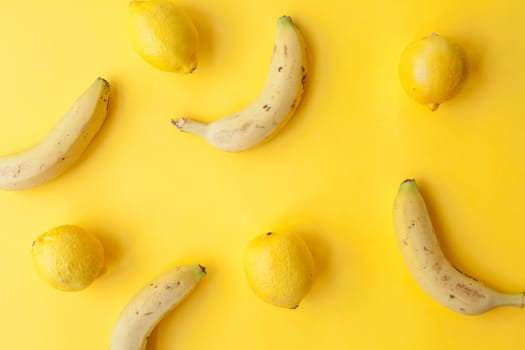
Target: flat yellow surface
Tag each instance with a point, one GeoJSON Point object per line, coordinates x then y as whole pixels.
{"type": "Point", "coordinates": [158, 198]}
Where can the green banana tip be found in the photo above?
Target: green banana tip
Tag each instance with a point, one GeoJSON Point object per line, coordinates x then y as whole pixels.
{"type": "Point", "coordinates": [285, 20]}
{"type": "Point", "coordinates": [408, 184]}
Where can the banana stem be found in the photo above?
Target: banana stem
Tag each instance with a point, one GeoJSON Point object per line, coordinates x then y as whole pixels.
{"type": "Point", "coordinates": [517, 300]}
{"type": "Point", "coordinates": [191, 126]}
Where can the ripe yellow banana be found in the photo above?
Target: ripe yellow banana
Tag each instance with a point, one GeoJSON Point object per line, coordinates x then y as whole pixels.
{"type": "Point", "coordinates": [151, 304]}
{"type": "Point", "coordinates": [62, 146]}
{"type": "Point", "coordinates": [274, 106]}
{"type": "Point", "coordinates": [430, 268]}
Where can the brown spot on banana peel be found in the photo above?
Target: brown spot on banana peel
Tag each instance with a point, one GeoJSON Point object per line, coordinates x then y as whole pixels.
{"type": "Point", "coordinates": [285, 51]}
{"type": "Point", "coordinates": [280, 69]}
{"type": "Point", "coordinates": [470, 291]}
{"type": "Point", "coordinates": [246, 126]}
{"type": "Point", "coordinates": [294, 103]}
{"type": "Point", "coordinates": [428, 250]}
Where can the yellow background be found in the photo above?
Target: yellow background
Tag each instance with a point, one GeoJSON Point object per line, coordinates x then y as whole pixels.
{"type": "Point", "coordinates": [158, 198]}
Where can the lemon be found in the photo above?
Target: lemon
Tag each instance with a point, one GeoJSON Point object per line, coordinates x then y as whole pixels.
{"type": "Point", "coordinates": [279, 268]}
{"type": "Point", "coordinates": [163, 34]}
{"type": "Point", "coordinates": [68, 258]}
{"type": "Point", "coordinates": [431, 70]}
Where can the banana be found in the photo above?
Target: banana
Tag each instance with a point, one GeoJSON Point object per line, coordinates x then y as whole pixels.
{"type": "Point", "coordinates": [62, 146]}
{"type": "Point", "coordinates": [429, 266]}
{"type": "Point", "coordinates": [151, 304]}
{"type": "Point", "coordinates": [275, 104]}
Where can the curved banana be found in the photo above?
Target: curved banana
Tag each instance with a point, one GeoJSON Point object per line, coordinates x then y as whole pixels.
{"type": "Point", "coordinates": [275, 105]}
{"type": "Point", "coordinates": [62, 146]}
{"type": "Point", "coordinates": [151, 304]}
{"type": "Point", "coordinates": [430, 268]}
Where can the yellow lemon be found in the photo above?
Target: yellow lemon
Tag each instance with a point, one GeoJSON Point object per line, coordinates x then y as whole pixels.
{"type": "Point", "coordinates": [163, 34]}
{"type": "Point", "coordinates": [68, 258]}
{"type": "Point", "coordinates": [279, 268]}
{"type": "Point", "coordinates": [431, 70]}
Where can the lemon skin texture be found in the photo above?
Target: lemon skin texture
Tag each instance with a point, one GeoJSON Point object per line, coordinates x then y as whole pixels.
{"type": "Point", "coordinates": [164, 35]}
{"type": "Point", "coordinates": [432, 70]}
{"type": "Point", "coordinates": [68, 257]}
{"type": "Point", "coordinates": [279, 268]}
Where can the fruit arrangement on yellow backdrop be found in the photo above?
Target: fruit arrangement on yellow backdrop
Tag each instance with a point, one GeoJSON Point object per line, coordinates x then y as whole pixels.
{"type": "Point", "coordinates": [279, 267]}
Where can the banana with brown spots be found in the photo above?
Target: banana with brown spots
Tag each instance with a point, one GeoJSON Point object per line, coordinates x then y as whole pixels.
{"type": "Point", "coordinates": [429, 266]}
{"type": "Point", "coordinates": [63, 145]}
{"type": "Point", "coordinates": [274, 106]}
{"type": "Point", "coordinates": [147, 308]}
